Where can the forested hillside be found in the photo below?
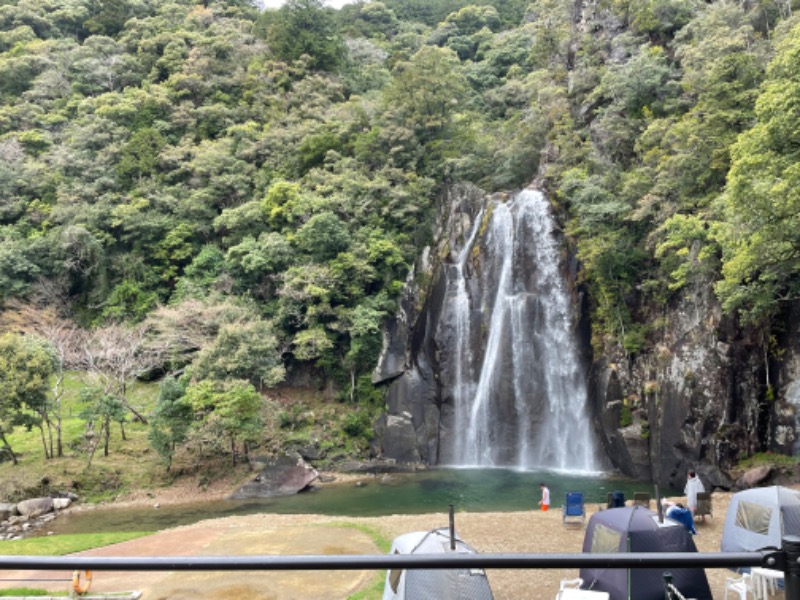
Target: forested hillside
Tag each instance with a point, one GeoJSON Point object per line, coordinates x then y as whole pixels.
{"type": "Point", "coordinates": [237, 197]}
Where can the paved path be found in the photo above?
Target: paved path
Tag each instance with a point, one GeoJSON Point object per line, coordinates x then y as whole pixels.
{"type": "Point", "coordinates": [227, 537]}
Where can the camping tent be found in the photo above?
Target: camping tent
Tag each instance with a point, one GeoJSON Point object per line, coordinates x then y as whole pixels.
{"type": "Point", "coordinates": [759, 518]}
{"type": "Point", "coordinates": [637, 529]}
{"type": "Point", "coordinates": [434, 584]}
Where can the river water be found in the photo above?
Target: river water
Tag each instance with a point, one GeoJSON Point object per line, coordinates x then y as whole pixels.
{"type": "Point", "coordinates": [472, 490]}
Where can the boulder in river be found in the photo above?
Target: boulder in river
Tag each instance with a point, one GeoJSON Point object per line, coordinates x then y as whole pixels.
{"type": "Point", "coordinates": [283, 475]}
{"type": "Point", "coordinates": [33, 507]}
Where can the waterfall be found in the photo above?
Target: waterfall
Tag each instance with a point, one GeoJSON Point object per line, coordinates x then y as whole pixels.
{"type": "Point", "coordinates": [519, 387]}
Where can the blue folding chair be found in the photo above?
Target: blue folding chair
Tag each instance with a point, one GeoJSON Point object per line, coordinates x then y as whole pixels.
{"type": "Point", "coordinates": [573, 508]}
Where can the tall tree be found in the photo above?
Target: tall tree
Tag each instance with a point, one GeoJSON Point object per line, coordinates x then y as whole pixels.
{"type": "Point", "coordinates": [26, 364]}
{"type": "Point", "coordinates": [171, 420]}
{"type": "Point", "coordinates": [105, 408]}
{"type": "Point", "coordinates": [115, 356]}
{"type": "Point", "coordinates": [306, 27]}
{"type": "Point", "coordinates": [229, 409]}
{"type": "Point", "coordinates": [426, 91]}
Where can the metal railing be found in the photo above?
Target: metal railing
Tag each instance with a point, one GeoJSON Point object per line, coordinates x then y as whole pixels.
{"type": "Point", "coordinates": [628, 560]}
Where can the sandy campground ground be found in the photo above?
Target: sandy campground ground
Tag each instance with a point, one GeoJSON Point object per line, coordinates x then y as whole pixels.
{"type": "Point", "coordinates": [521, 532]}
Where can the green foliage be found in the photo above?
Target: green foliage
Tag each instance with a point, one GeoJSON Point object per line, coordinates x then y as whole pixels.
{"type": "Point", "coordinates": [25, 592]}
{"type": "Point", "coordinates": [305, 27]}
{"type": "Point", "coordinates": [128, 301]}
{"type": "Point", "coordinates": [634, 339]}
{"type": "Point", "coordinates": [200, 276]}
{"type": "Point", "coordinates": [684, 235]}
{"type": "Point", "coordinates": [279, 202]}
{"type": "Point", "coordinates": [170, 420]}
{"type": "Point", "coordinates": [425, 92]}
{"type": "Point", "coordinates": [139, 156]}
{"type": "Point", "coordinates": [625, 416]}
{"type": "Point", "coordinates": [311, 344]}
{"type": "Point", "coordinates": [322, 237]}
{"type": "Point", "coordinates": [230, 409]}
{"type": "Point", "coordinates": [255, 261]}
{"type": "Point", "coordinates": [769, 459]}
{"type": "Point", "coordinates": [357, 424]}
{"type": "Point", "coordinates": [245, 350]}
{"type": "Point", "coordinates": [761, 201]}
{"type": "Point", "coordinates": [26, 364]}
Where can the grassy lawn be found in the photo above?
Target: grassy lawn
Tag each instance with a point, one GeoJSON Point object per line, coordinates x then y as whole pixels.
{"type": "Point", "coordinates": [59, 545]}
{"type": "Point", "coordinates": [28, 592]}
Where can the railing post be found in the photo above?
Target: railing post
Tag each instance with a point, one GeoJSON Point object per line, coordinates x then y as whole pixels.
{"type": "Point", "coordinates": [791, 573]}
{"type": "Point", "coordinates": [452, 528]}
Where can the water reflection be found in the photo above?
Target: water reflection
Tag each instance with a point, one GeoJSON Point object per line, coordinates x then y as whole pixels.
{"type": "Point", "coordinates": [471, 490]}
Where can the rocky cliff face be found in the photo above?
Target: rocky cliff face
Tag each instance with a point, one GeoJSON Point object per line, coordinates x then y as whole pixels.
{"type": "Point", "coordinates": [703, 396]}
{"type": "Point", "coordinates": [707, 395]}
{"type": "Point", "coordinates": [419, 418]}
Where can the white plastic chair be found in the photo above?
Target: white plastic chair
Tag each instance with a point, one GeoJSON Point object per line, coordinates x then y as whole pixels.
{"type": "Point", "coordinates": [570, 589]}
{"type": "Point", "coordinates": [765, 581]}
{"type": "Point", "coordinates": [741, 586]}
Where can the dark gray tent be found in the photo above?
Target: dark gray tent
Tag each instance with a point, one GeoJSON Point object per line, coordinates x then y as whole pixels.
{"type": "Point", "coordinates": [637, 529]}
{"type": "Point", "coordinates": [760, 517]}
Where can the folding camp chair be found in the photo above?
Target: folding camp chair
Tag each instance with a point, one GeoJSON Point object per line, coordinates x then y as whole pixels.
{"type": "Point", "coordinates": [573, 508]}
{"type": "Point", "coordinates": [703, 505]}
{"type": "Point", "coordinates": [616, 499]}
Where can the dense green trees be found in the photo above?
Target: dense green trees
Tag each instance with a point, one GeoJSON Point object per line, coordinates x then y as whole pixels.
{"type": "Point", "coordinates": [305, 27]}
{"type": "Point", "coordinates": [761, 247]}
{"type": "Point", "coordinates": [251, 188]}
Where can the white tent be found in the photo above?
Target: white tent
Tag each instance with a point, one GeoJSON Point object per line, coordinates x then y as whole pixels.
{"type": "Point", "coordinates": [759, 518]}
{"type": "Point", "coordinates": [434, 584]}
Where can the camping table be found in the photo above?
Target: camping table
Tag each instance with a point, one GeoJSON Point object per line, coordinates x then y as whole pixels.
{"type": "Point", "coordinates": [765, 581]}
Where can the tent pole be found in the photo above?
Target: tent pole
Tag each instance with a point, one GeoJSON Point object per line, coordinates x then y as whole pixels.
{"type": "Point", "coordinates": [659, 506]}
{"type": "Point", "coordinates": [791, 572]}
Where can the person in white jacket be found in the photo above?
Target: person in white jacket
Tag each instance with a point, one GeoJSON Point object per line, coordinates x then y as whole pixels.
{"type": "Point", "coordinates": [693, 487]}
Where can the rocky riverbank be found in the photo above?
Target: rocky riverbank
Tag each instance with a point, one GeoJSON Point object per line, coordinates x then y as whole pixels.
{"type": "Point", "coordinates": [20, 518]}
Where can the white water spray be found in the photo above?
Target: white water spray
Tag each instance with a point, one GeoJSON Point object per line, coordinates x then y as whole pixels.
{"type": "Point", "coordinates": [520, 398]}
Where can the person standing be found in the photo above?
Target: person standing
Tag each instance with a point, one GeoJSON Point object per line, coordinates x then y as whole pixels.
{"type": "Point", "coordinates": [693, 487]}
{"type": "Point", "coordinates": [545, 501]}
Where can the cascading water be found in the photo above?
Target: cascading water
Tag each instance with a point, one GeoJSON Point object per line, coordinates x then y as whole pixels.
{"type": "Point", "coordinates": [519, 388]}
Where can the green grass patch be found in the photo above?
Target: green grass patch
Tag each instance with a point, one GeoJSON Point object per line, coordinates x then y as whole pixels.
{"type": "Point", "coordinates": [29, 592]}
{"type": "Point", "coordinates": [59, 545]}
{"type": "Point", "coordinates": [383, 543]}
{"type": "Point", "coordinates": [373, 591]}
{"type": "Point", "coordinates": [769, 459]}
